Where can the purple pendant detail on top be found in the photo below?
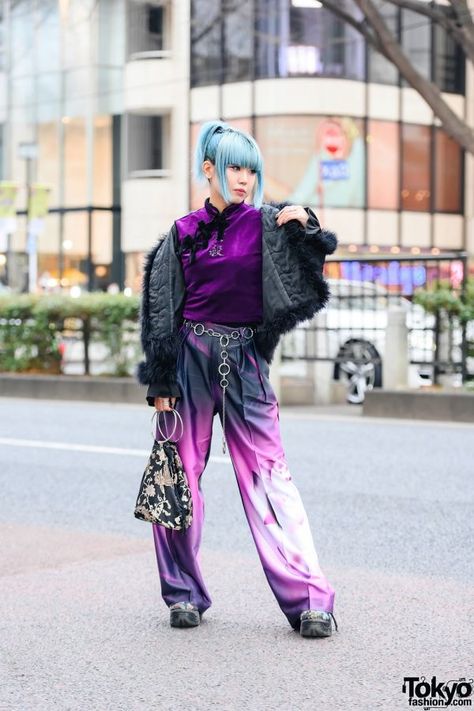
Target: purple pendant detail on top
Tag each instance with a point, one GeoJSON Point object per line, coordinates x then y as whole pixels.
{"type": "Point", "coordinates": [216, 250]}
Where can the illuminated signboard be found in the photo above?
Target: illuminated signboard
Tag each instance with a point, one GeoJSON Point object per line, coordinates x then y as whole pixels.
{"type": "Point", "coordinates": [407, 277]}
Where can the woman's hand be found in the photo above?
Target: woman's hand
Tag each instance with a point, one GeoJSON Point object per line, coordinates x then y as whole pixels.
{"type": "Point", "coordinates": [164, 404]}
{"type": "Point", "coordinates": [292, 212]}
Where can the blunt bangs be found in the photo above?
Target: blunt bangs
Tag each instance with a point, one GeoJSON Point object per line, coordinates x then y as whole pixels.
{"type": "Point", "coordinates": [236, 148]}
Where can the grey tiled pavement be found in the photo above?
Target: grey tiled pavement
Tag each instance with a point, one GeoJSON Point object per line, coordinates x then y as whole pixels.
{"type": "Point", "coordinates": [82, 623]}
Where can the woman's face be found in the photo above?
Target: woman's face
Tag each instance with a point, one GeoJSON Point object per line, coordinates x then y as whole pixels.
{"type": "Point", "coordinates": [240, 181]}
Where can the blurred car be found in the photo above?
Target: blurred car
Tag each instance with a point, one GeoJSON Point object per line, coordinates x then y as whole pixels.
{"type": "Point", "coordinates": [351, 332]}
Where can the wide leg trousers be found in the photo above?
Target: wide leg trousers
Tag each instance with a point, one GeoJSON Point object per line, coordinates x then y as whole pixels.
{"type": "Point", "coordinates": [272, 503]}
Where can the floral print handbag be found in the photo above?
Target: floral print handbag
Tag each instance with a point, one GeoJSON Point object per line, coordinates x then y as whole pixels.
{"type": "Point", "coordinates": [164, 496]}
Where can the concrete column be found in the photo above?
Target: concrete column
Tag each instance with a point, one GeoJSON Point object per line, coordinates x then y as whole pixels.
{"type": "Point", "coordinates": [469, 161]}
{"type": "Point", "coordinates": [326, 390]}
{"type": "Point", "coordinates": [275, 375]}
{"type": "Point", "coordinates": [395, 362]}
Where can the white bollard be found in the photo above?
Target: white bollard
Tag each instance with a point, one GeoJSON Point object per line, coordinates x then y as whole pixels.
{"type": "Point", "coordinates": [395, 361]}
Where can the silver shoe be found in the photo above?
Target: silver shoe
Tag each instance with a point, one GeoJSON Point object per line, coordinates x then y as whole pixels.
{"type": "Point", "coordinates": [184, 614]}
{"type": "Point", "coordinates": [316, 623]}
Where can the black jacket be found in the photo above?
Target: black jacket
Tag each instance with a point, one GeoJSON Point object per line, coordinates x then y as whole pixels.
{"type": "Point", "coordinates": [294, 289]}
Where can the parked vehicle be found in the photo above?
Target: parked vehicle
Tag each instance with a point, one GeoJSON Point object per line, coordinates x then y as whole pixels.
{"type": "Point", "coordinates": [351, 332]}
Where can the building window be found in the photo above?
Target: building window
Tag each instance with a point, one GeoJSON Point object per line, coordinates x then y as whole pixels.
{"type": "Point", "coordinates": [316, 161]}
{"type": "Point", "coordinates": [103, 161]}
{"type": "Point", "coordinates": [428, 157]}
{"type": "Point", "coordinates": [146, 27]}
{"type": "Point", "coordinates": [206, 43]}
{"type": "Point", "coordinates": [448, 173]}
{"type": "Point", "coordinates": [2, 38]}
{"type": "Point", "coordinates": [75, 247]}
{"type": "Point", "coordinates": [380, 70]}
{"type": "Point", "coordinates": [147, 145]}
{"type": "Point", "coordinates": [75, 159]}
{"type": "Point", "coordinates": [268, 31]}
{"type": "Point", "coordinates": [416, 168]}
{"type": "Point", "coordinates": [238, 41]}
{"type": "Point", "coordinates": [306, 41]}
{"type": "Point", "coordinates": [383, 147]}
{"type": "Point", "coordinates": [2, 150]}
{"type": "Point", "coordinates": [48, 163]}
{"type": "Point", "coordinates": [416, 41]}
{"type": "Point", "coordinates": [449, 63]}
{"type": "Point", "coordinates": [321, 43]}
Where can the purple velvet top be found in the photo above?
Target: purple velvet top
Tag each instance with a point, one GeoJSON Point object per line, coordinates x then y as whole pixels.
{"type": "Point", "coordinates": [221, 255]}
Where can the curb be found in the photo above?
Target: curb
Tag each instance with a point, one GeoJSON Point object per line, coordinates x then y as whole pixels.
{"type": "Point", "coordinates": [72, 387]}
{"type": "Point", "coordinates": [450, 405]}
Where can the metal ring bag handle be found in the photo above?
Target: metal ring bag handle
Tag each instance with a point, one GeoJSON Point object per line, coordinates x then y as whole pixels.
{"type": "Point", "coordinates": [177, 417]}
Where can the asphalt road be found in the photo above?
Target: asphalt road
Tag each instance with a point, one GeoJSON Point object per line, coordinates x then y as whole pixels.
{"type": "Point", "coordinates": [82, 622]}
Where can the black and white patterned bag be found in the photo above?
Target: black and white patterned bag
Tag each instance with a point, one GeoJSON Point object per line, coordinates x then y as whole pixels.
{"type": "Point", "coordinates": [164, 496]}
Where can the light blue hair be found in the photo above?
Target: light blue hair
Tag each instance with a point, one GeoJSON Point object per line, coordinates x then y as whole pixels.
{"type": "Point", "coordinates": [224, 146]}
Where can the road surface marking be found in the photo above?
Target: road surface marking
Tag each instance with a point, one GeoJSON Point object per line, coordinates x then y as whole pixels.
{"type": "Point", "coordinates": [40, 444]}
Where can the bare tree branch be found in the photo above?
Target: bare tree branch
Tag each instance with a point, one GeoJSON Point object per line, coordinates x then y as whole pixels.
{"type": "Point", "coordinates": [464, 24]}
{"type": "Point", "coordinates": [422, 8]}
{"type": "Point", "coordinates": [451, 24]}
{"type": "Point", "coordinates": [452, 124]}
{"type": "Point", "coordinates": [360, 26]}
{"type": "Point", "coordinates": [463, 12]}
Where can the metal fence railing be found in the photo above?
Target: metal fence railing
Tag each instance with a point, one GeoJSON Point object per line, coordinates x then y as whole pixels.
{"type": "Point", "coordinates": [352, 328]}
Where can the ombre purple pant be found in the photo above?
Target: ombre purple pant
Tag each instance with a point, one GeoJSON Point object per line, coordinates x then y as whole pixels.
{"type": "Point", "coordinates": [272, 503]}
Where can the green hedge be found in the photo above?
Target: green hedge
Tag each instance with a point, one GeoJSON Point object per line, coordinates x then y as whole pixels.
{"type": "Point", "coordinates": [32, 327]}
{"type": "Point", "coordinates": [445, 304]}
{"type": "Point", "coordinates": [444, 300]}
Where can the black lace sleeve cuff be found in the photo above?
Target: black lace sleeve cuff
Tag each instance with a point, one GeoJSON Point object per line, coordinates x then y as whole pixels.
{"type": "Point", "coordinates": [312, 226]}
{"type": "Point", "coordinates": [325, 240]}
{"type": "Point", "coordinates": [162, 389]}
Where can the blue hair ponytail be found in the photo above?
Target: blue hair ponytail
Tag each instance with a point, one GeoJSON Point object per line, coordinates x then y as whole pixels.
{"type": "Point", "coordinates": [224, 146]}
{"type": "Point", "coordinates": [205, 147]}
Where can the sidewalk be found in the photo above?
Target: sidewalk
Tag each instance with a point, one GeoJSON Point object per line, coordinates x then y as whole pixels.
{"type": "Point", "coordinates": [88, 629]}
{"type": "Point", "coordinates": [339, 410]}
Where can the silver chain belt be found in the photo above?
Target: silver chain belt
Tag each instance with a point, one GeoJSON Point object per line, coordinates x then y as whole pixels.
{"type": "Point", "coordinates": [224, 367]}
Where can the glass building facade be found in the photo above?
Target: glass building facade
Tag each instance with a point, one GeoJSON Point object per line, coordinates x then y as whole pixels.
{"type": "Point", "coordinates": [267, 39]}
{"type": "Point", "coordinates": [65, 62]}
{"type": "Point", "coordinates": [64, 67]}
{"type": "Point", "coordinates": [336, 161]}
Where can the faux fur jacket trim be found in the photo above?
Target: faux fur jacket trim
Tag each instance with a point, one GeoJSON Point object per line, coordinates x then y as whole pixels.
{"type": "Point", "coordinates": [294, 289]}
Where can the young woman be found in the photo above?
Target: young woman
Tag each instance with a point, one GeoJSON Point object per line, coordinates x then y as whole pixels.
{"type": "Point", "coordinates": [219, 289]}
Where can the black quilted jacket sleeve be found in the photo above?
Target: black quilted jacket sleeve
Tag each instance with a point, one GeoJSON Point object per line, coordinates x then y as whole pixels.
{"type": "Point", "coordinates": [158, 369]}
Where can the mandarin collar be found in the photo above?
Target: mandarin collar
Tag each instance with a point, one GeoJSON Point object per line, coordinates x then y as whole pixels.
{"type": "Point", "coordinates": [228, 210]}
